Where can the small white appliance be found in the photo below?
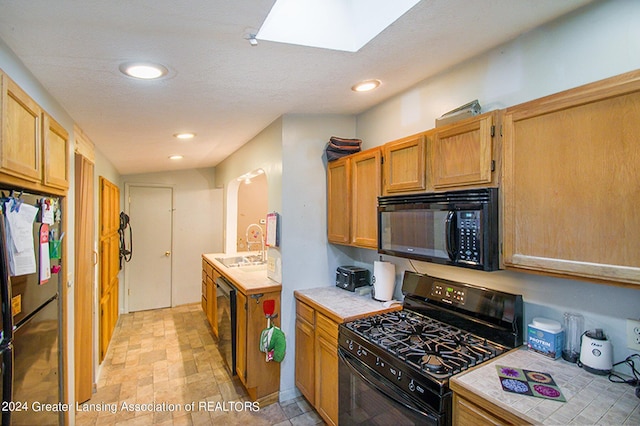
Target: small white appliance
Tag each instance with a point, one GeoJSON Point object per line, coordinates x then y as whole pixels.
{"type": "Point", "coordinates": [596, 352]}
{"type": "Point", "coordinates": [384, 280]}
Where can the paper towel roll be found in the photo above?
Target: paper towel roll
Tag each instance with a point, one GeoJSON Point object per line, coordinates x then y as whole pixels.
{"type": "Point", "coordinates": [384, 280]}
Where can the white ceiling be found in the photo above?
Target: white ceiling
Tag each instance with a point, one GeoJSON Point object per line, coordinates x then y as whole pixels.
{"type": "Point", "coordinates": [219, 86]}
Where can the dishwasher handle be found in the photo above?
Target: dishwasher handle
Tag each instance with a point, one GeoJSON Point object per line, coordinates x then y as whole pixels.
{"type": "Point", "coordinates": [225, 286]}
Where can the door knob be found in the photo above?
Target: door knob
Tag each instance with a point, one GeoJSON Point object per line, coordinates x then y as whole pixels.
{"type": "Point", "coordinates": [167, 253]}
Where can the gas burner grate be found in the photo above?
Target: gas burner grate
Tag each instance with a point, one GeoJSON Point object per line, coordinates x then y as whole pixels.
{"type": "Point", "coordinates": [428, 345]}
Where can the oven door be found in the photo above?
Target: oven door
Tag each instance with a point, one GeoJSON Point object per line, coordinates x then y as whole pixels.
{"type": "Point", "coordinates": [367, 398]}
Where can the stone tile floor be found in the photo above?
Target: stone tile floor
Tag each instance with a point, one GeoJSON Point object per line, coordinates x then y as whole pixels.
{"type": "Point", "coordinates": [163, 368]}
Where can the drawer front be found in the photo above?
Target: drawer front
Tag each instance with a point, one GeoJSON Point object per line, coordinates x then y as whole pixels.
{"type": "Point", "coordinates": [305, 312]}
{"type": "Point", "coordinates": [207, 268]}
{"type": "Point", "coordinates": [328, 326]}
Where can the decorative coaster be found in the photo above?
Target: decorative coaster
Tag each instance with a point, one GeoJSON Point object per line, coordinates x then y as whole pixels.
{"type": "Point", "coordinates": [527, 382]}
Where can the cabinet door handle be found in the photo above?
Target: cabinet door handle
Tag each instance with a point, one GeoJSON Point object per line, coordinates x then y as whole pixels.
{"type": "Point", "coordinates": [167, 253]}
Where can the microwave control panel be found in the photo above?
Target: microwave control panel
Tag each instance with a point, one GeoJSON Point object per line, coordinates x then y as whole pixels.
{"type": "Point", "coordinates": [448, 293]}
{"type": "Point", "coordinates": [469, 230]}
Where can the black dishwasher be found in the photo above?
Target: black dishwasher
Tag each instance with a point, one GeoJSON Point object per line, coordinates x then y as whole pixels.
{"type": "Point", "coordinates": [226, 306]}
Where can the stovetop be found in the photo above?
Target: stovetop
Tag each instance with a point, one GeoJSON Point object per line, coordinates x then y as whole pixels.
{"type": "Point", "coordinates": [445, 327]}
{"type": "Point", "coordinates": [429, 346]}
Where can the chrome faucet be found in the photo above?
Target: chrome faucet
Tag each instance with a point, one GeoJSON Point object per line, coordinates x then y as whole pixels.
{"type": "Point", "coordinates": [261, 234]}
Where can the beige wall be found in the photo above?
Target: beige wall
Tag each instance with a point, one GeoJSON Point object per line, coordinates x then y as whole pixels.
{"type": "Point", "coordinates": [600, 41]}
{"type": "Point", "coordinates": [264, 152]}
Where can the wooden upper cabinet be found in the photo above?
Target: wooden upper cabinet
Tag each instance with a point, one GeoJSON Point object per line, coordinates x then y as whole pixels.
{"type": "Point", "coordinates": [56, 147]}
{"type": "Point", "coordinates": [20, 139]}
{"type": "Point", "coordinates": [404, 166]}
{"type": "Point", "coordinates": [353, 186]}
{"type": "Point", "coordinates": [461, 153]}
{"type": "Point", "coordinates": [339, 201]}
{"type": "Point", "coordinates": [34, 148]}
{"type": "Point", "coordinates": [571, 185]}
{"type": "Point", "coordinates": [366, 187]}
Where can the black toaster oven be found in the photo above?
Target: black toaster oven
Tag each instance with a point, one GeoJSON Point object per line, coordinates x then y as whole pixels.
{"type": "Point", "coordinates": [351, 277]}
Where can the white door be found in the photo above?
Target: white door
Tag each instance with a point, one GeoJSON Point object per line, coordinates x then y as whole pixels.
{"type": "Point", "coordinates": [149, 271]}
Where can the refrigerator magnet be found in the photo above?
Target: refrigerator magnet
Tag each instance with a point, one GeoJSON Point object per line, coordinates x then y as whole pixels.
{"type": "Point", "coordinates": [45, 264]}
{"type": "Point", "coordinates": [46, 211]}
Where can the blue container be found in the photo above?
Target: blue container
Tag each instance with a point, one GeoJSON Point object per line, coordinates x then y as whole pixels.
{"type": "Point", "coordinates": [546, 337]}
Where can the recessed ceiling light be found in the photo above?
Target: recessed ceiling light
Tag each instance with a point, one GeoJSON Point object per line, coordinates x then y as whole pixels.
{"type": "Point", "coordinates": [176, 157]}
{"type": "Point", "coordinates": [184, 135]}
{"type": "Point", "coordinates": [365, 86]}
{"type": "Point", "coordinates": [142, 70]}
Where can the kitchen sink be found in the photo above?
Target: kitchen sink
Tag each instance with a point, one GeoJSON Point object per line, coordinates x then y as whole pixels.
{"type": "Point", "coordinates": [241, 261]}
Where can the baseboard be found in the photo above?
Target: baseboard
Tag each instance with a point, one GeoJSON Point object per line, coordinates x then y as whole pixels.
{"type": "Point", "coordinates": [288, 394]}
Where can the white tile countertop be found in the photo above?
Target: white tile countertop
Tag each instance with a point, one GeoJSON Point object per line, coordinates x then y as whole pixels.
{"type": "Point", "coordinates": [342, 305]}
{"type": "Point", "coordinates": [591, 399]}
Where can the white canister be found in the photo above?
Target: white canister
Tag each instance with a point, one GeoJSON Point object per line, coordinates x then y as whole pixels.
{"type": "Point", "coordinates": [384, 280]}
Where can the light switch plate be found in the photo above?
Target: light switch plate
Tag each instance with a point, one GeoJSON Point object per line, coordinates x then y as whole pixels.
{"type": "Point", "coordinates": [633, 334]}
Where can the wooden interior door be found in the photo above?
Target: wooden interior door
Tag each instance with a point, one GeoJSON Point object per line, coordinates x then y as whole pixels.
{"type": "Point", "coordinates": [109, 261]}
{"type": "Point", "coordinates": [84, 220]}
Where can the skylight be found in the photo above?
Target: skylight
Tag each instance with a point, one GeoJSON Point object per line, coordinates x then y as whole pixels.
{"type": "Point", "coordinates": [331, 24]}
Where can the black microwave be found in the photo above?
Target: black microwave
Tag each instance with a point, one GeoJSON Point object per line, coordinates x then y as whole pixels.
{"type": "Point", "coordinates": [457, 228]}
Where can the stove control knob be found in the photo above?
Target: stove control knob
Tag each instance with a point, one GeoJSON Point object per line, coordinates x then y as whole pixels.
{"type": "Point", "coordinates": [359, 351]}
{"type": "Point", "coordinates": [399, 375]}
{"type": "Point", "coordinates": [350, 345]}
{"type": "Point", "coordinates": [412, 386]}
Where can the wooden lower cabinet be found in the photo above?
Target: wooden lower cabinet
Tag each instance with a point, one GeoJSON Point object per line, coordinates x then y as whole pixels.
{"type": "Point", "coordinates": [209, 301]}
{"type": "Point", "coordinates": [305, 344]}
{"type": "Point", "coordinates": [466, 412]}
{"type": "Point", "coordinates": [326, 364]}
{"type": "Point", "coordinates": [259, 377]}
{"type": "Point", "coordinates": [241, 337]}
{"type": "Point", "coordinates": [317, 360]}
{"type": "Point", "coordinates": [469, 409]}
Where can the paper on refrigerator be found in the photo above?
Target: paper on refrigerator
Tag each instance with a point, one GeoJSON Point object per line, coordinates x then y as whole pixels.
{"type": "Point", "coordinates": [19, 238]}
{"type": "Point", "coordinates": [45, 263]}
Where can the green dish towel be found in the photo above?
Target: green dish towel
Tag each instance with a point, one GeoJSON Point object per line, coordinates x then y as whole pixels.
{"type": "Point", "coordinates": [273, 344]}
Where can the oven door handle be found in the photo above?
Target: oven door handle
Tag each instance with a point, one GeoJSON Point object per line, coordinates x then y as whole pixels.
{"type": "Point", "coordinates": [384, 389]}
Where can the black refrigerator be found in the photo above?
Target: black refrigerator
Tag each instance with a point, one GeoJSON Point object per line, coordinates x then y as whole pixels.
{"type": "Point", "coordinates": [30, 344]}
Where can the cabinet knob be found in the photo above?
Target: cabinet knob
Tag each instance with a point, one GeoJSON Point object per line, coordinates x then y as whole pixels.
{"type": "Point", "coordinates": [167, 253]}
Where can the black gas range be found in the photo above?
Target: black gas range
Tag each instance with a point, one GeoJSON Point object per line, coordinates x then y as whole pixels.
{"type": "Point", "coordinates": [395, 367]}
